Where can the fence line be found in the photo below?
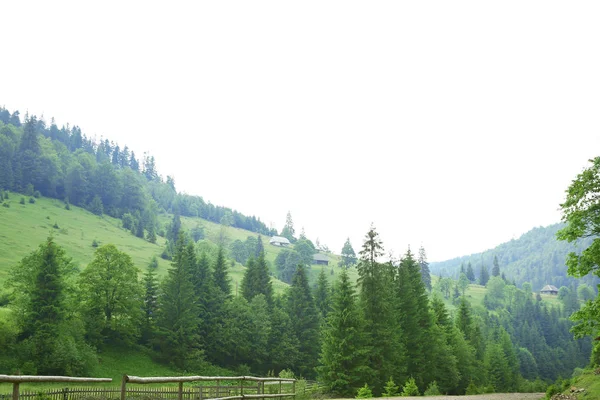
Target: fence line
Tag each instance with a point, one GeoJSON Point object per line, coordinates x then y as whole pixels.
{"type": "Point", "coordinates": [246, 387]}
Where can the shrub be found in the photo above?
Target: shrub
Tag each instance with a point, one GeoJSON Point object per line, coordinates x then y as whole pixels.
{"type": "Point", "coordinates": [551, 391]}
{"type": "Point", "coordinates": [29, 190]}
{"type": "Point", "coordinates": [472, 388]}
{"type": "Point", "coordinates": [153, 263]}
{"type": "Point", "coordinates": [390, 389]}
{"type": "Point", "coordinates": [37, 194]}
{"type": "Point", "coordinates": [410, 388]}
{"type": "Point", "coordinates": [22, 201]}
{"type": "Point", "coordinates": [94, 243]}
{"type": "Point", "coordinates": [67, 205]}
{"type": "Point", "coordinates": [6, 195]}
{"type": "Point", "coordinates": [364, 392]}
{"type": "Point", "coordinates": [32, 200]}
{"type": "Point", "coordinates": [55, 226]}
{"type": "Point", "coordinates": [127, 221]}
{"type": "Point", "coordinates": [432, 389]}
{"type": "Point", "coordinates": [6, 204]}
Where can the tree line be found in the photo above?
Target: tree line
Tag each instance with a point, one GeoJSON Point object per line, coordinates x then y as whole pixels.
{"type": "Point", "coordinates": [100, 176]}
{"type": "Point", "coordinates": [386, 328]}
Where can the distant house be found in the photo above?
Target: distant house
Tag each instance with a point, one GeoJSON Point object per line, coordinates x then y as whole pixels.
{"type": "Point", "coordinates": [320, 259]}
{"type": "Point", "coordinates": [549, 289]}
{"type": "Point", "coordinates": [279, 241]}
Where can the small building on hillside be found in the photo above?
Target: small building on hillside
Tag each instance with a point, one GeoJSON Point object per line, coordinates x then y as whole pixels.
{"type": "Point", "coordinates": [279, 241]}
{"type": "Point", "coordinates": [549, 289]}
{"type": "Point", "coordinates": [320, 259]}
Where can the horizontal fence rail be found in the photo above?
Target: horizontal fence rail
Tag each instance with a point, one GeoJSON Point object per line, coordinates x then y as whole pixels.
{"type": "Point", "coordinates": [18, 379]}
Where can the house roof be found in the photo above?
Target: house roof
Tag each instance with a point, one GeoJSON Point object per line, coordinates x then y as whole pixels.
{"type": "Point", "coordinates": [279, 239]}
{"type": "Point", "coordinates": [320, 257]}
{"type": "Point", "coordinates": [549, 288]}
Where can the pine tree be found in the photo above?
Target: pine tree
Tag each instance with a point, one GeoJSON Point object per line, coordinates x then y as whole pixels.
{"type": "Point", "coordinates": [348, 255]}
{"type": "Point", "coordinates": [178, 320]}
{"type": "Point", "coordinates": [414, 319]}
{"type": "Point", "coordinates": [210, 306]}
{"type": "Point", "coordinates": [470, 272]}
{"type": "Point", "coordinates": [221, 277]}
{"type": "Point", "coordinates": [151, 234]}
{"type": "Point", "coordinates": [288, 230]}
{"type": "Point", "coordinates": [425, 275]}
{"type": "Point", "coordinates": [259, 247]}
{"type": "Point", "coordinates": [256, 279]}
{"type": "Point", "coordinates": [496, 267]}
{"type": "Point", "coordinates": [377, 300]}
{"type": "Point", "coordinates": [322, 294]}
{"type": "Point", "coordinates": [305, 321]}
{"type": "Point", "coordinates": [343, 362]}
{"type": "Point", "coordinates": [283, 344]}
{"type": "Point", "coordinates": [150, 306]}
{"type": "Point", "coordinates": [484, 275]}
{"type": "Point", "coordinates": [464, 319]}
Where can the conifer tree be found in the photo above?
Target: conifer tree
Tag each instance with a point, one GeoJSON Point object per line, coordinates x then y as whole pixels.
{"type": "Point", "coordinates": [414, 319]}
{"type": "Point", "coordinates": [305, 321]}
{"type": "Point", "coordinates": [178, 320]}
{"type": "Point", "coordinates": [496, 267]}
{"type": "Point", "coordinates": [283, 344]}
{"type": "Point", "coordinates": [221, 277]}
{"type": "Point", "coordinates": [377, 300]}
{"type": "Point", "coordinates": [150, 306]}
{"type": "Point", "coordinates": [484, 275]}
{"type": "Point", "coordinates": [348, 255]}
{"type": "Point", "coordinates": [463, 318]}
{"type": "Point", "coordinates": [470, 272]}
{"type": "Point", "coordinates": [343, 362]}
{"type": "Point", "coordinates": [260, 248]}
{"type": "Point", "coordinates": [424, 265]}
{"type": "Point", "coordinates": [322, 294]}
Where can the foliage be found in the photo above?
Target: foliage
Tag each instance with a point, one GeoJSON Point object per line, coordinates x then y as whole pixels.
{"type": "Point", "coordinates": [432, 390]}
{"type": "Point", "coordinates": [348, 255]}
{"type": "Point", "coordinates": [364, 392]}
{"type": "Point", "coordinates": [390, 389]}
{"type": "Point", "coordinates": [410, 388]}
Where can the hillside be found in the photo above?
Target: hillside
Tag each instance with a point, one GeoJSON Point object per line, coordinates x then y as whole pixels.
{"type": "Point", "coordinates": [536, 257]}
{"type": "Point", "coordinates": [24, 226]}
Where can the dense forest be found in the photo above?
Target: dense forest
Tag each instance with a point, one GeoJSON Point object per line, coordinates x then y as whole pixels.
{"type": "Point", "coordinates": [100, 176]}
{"type": "Point", "coordinates": [386, 329]}
{"type": "Point", "coordinates": [537, 257]}
{"type": "Point", "coordinates": [396, 329]}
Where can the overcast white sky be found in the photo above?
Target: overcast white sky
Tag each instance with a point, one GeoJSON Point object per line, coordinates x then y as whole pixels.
{"type": "Point", "coordinates": [452, 125]}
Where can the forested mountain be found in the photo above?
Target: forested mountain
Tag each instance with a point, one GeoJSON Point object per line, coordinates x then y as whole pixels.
{"type": "Point", "coordinates": [100, 175]}
{"type": "Point", "coordinates": [390, 328]}
{"type": "Point", "coordinates": [536, 257]}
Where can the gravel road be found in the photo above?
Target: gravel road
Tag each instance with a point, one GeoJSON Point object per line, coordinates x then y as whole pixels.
{"type": "Point", "coordinates": [492, 396]}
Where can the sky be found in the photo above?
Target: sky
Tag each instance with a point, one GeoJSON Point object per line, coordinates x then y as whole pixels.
{"type": "Point", "coordinates": [455, 126]}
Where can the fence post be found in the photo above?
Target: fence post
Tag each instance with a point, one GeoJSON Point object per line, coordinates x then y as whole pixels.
{"type": "Point", "coordinates": [65, 393]}
{"type": "Point", "coordinates": [15, 391]}
{"type": "Point", "coordinates": [180, 393]}
{"type": "Point", "coordinates": [123, 387]}
{"type": "Point", "coordinates": [294, 388]}
{"type": "Point", "coordinates": [242, 387]}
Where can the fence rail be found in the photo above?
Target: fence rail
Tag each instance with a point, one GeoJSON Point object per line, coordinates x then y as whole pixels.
{"type": "Point", "coordinates": [238, 388]}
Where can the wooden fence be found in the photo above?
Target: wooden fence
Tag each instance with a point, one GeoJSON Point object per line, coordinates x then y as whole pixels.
{"type": "Point", "coordinates": [234, 388]}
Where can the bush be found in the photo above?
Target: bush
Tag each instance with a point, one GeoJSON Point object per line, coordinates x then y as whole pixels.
{"type": "Point", "coordinates": [55, 226]}
{"type": "Point", "coordinates": [37, 194]}
{"type": "Point", "coordinates": [6, 204]}
{"type": "Point", "coordinates": [432, 389]}
{"type": "Point", "coordinates": [390, 389]}
{"type": "Point", "coordinates": [551, 391]}
{"type": "Point", "coordinates": [472, 388]}
{"type": "Point", "coordinates": [5, 195]}
{"type": "Point", "coordinates": [29, 190]}
{"type": "Point", "coordinates": [128, 221]}
{"type": "Point", "coordinates": [32, 200]}
{"type": "Point", "coordinates": [94, 243]}
{"type": "Point", "coordinates": [22, 201]}
{"type": "Point", "coordinates": [410, 388]}
{"type": "Point", "coordinates": [364, 392]}
{"type": "Point", "coordinates": [67, 205]}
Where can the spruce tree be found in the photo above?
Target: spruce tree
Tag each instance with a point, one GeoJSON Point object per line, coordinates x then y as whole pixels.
{"type": "Point", "coordinates": [150, 306]}
{"type": "Point", "coordinates": [210, 305]}
{"type": "Point", "coordinates": [178, 320]}
{"type": "Point", "coordinates": [424, 265]}
{"type": "Point", "coordinates": [344, 354]}
{"type": "Point", "coordinates": [377, 300]}
{"type": "Point", "coordinates": [322, 294]}
{"type": "Point", "coordinates": [470, 272]}
{"type": "Point", "coordinates": [348, 255]}
{"type": "Point", "coordinates": [496, 267]}
{"type": "Point", "coordinates": [260, 248]}
{"type": "Point", "coordinates": [414, 319]}
{"type": "Point", "coordinates": [221, 277]}
{"type": "Point", "coordinates": [484, 275]}
{"type": "Point", "coordinates": [464, 319]}
{"type": "Point", "coordinates": [305, 322]}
